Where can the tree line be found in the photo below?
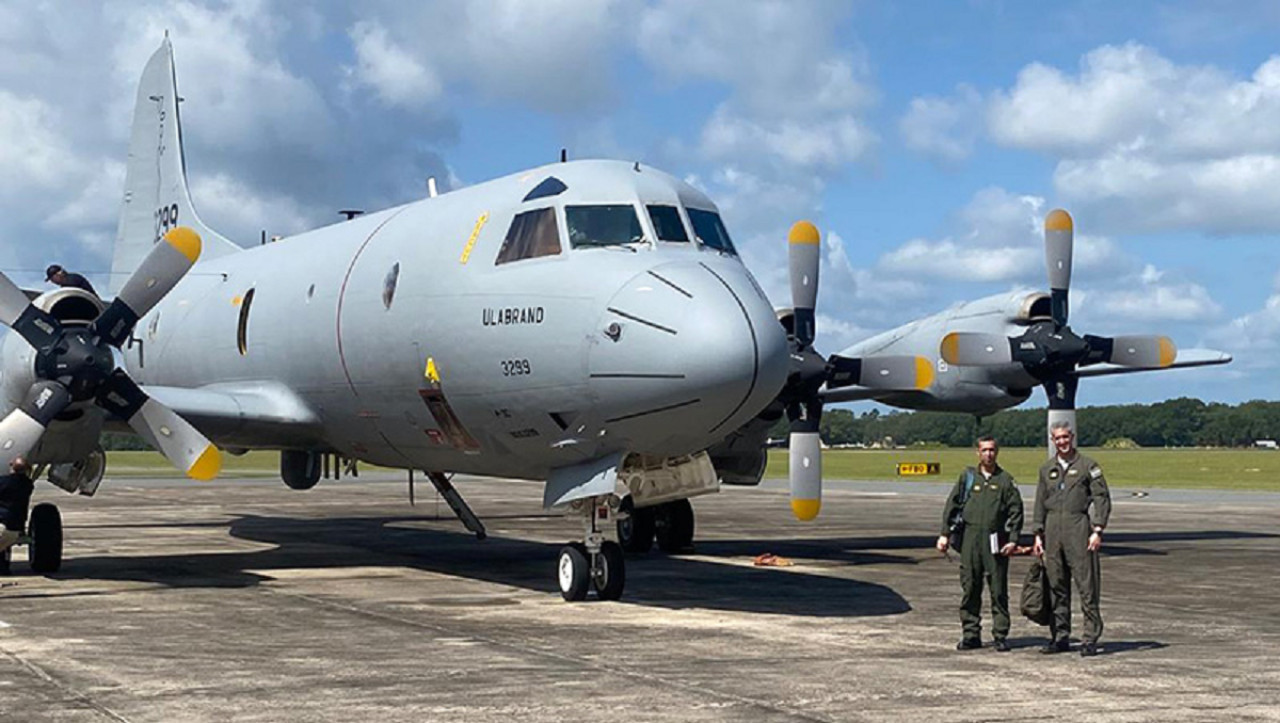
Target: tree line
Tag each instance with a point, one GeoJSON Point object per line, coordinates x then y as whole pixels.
{"type": "Point", "coordinates": [1182, 422]}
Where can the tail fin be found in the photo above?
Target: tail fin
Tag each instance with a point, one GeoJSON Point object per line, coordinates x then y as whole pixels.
{"type": "Point", "coordinates": [156, 198]}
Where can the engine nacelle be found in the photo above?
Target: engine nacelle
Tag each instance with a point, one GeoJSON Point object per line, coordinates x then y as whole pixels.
{"type": "Point", "coordinates": [73, 435]}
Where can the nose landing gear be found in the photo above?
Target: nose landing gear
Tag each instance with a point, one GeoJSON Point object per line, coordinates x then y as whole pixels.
{"type": "Point", "coordinates": [595, 563]}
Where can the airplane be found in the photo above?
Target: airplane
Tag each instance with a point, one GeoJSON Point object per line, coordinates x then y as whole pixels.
{"type": "Point", "coordinates": [587, 323]}
{"type": "Point", "coordinates": [990, 354]}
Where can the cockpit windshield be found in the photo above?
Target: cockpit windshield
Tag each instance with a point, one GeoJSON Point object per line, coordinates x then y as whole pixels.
{"type": "Point", "coordinates": [611, 225]}
{"type": "Point", "coordinates": [667, 224]}
{"type": "Point", "coordinates": [710, 230]}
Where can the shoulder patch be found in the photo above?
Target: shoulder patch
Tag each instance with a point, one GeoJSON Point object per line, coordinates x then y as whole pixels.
{"type": "Point", "coordinates": [1095, 471]}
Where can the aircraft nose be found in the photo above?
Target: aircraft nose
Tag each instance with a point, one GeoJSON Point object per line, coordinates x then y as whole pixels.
{"type": "Point", "coordinates": [688, 352]}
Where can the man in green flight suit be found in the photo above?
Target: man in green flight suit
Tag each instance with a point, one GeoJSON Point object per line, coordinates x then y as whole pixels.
{"type": "Point", "coordinates": [1069, 536]}
{"type": "Point", "coordinates": [988, 501]}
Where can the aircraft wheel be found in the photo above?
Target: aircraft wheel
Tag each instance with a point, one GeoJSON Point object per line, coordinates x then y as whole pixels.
{"type": "Point", "coordinates": [675, 526]}
{"type": "Point", "coordinates": [46, 538]}
{"type": "Point", "coordinates": [573, 572]}
{"type": "Point", "coordinates": [610, 573]}
{"type": "Point", "coordinates": [636, 532]}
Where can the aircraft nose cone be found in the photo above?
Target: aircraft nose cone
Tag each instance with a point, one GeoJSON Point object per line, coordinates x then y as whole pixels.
{"type": "Point", "coordinates": [688, 352]}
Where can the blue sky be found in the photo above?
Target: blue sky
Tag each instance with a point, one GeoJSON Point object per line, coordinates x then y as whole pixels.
{"type": "Point", "coordinates": [926, 139]}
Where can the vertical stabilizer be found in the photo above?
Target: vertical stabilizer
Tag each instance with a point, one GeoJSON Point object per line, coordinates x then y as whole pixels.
{"type": "Point", "coordinates": [156, 198]}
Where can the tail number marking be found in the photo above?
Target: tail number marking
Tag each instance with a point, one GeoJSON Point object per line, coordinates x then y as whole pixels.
{"type": "Point", "coordinates": [516, 368]}
{"type": "Point", "coordinates": [166, 218]}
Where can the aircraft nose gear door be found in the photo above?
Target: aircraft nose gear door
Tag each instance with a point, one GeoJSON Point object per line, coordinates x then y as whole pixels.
{"type": "Point", "coordinates": [596, 563]}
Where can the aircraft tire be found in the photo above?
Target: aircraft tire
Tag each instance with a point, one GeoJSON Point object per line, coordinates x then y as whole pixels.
{"type": "Point", "coordinates": [573, 572]}
{"type": "Point", "coordinates": [46, 538]}
{"type": "Point", "coordinates": [611, 571]}
{"type": "Point", "coordinates": [675, 527]}
{"type": "Point", "coordinates": [636, 532]}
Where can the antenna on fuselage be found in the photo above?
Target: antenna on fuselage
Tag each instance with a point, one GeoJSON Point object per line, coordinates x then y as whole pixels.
{"type": "Point", "coordinates": [564, 155]}
{"type": "Point", "coordinates": [431, 187]}
{"type": "Point", "coordinates": [351, 213]}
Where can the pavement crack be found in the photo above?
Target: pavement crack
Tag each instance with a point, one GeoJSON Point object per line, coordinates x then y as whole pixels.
{"type": "Point", "coordinates": [40, 673]}
{"type": "Point", "coordinates": [552, 655]}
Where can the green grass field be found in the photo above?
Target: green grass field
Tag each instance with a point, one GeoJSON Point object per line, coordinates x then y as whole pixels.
{"type": "Point", "coordinates": [1226, 469]}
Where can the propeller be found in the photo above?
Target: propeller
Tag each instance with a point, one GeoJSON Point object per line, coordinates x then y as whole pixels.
{"type": "Point", "coordinates": [810, 372]}
{"type": "Point", "coordinates": [76, 364]}
{"type": "Point", "coordinates": [1049, 350]}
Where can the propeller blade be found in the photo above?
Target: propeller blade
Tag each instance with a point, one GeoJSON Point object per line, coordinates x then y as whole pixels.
{"type": "Point", "coordinates": [158, 273]}
{"type": "Point", "coordinates": [182, 444]}
{"type": "Point", "coordinates": [805, 455]}
{"type": "Point", "coordinates": [38, 327]}
{"type": "Point", "coordinates": [803, 249]}
{"type": "Point", "coordinates": [908, 373]}
{"type": "Point", "coordinates": [968, 348]}
{"type": "Point", "coordinates": [21, 431]}
{"type": "Point", "coordinates": [1136, 351]}
{"type": "Point", "coordinates": [1058, 232]}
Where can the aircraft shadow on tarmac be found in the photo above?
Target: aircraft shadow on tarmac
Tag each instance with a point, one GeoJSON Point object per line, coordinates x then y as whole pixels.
{"type": "Point", "coordinates": [653, 580]}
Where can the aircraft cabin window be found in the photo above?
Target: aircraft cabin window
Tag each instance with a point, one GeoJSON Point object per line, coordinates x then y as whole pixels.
{"type": "Point", "coordinates": [532, 234]}
{"type": "Point", "coordinates": [667, 223]}
{"type": "Point", "coordinates": [602, 225]}
{"type": "Point", "coordinates": [710, 230]}
{"type": "Point", "coordinates": [242, 330]}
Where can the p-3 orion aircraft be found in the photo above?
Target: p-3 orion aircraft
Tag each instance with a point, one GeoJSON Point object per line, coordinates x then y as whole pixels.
{"type": "Point", "coordinates": [991, 353]}
{"type": "Point", "coordinates": [588, 323]}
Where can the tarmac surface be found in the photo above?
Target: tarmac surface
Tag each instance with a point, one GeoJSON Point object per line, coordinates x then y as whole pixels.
{"type": "Point", "coordinates": [243, 600]}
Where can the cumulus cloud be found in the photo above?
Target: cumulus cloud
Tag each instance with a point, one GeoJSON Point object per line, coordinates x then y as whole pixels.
{"type": "Point", "coordinates": [944, 129]}
{"type": "Point", "coordinates": [390, 70]}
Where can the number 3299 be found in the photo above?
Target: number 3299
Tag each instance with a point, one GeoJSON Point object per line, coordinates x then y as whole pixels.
{"type": "Point", "coordinates": [516, 368]}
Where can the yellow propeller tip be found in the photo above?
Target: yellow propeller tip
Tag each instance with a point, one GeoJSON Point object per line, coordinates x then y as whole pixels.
{"type": "Point", "coordinates": [186, 241]}
{"type": "Point", "coordinates": [924, 373]}
{"type": "Point", "coordinates": [1057, 220]}
{"type": "Point", "coordinates": [949, 348]}
{"type": "Point", "coordinates": [803, 232]}
{"type": "Point", "coordinates": [207, 465]}
{"type": "Point", "coordinates": [805, 510]}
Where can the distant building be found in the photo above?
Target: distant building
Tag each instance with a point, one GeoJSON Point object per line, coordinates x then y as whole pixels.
{"type": "Point", "coordinates": [1266, 444]}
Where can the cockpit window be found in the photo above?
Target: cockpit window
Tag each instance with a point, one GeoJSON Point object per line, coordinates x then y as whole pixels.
{"type": "Point", "coordinates": [532, 234]}
{"type": "Point", "coordinates": [667, 224]}
{"type": "Point", "coordinates": [710, 230]}
{"type": "Point", "coordinates": [602, 225]}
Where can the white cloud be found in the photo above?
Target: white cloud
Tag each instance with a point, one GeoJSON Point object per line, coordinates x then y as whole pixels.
{"type": "Point", "coordinates": [396, 77]}
{"type": "Point", "coordinates": [32, 152]}
{"type": "Point", "coordinates": [944, 129]}
{"type": "Point", "coordinates": [242, 210]}
{"type": "Point", "coordinates": [1152, 301]}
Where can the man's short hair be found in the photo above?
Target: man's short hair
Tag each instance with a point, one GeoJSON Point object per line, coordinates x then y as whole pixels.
{"type": "Point", "coordinates": [987, 438]}
{"type": "Point", "coordinates": [20, 465]}
{"type": "Point", "coordinates": [51, 271]}
{"type": "Point", "coordinates": [1061, 424]}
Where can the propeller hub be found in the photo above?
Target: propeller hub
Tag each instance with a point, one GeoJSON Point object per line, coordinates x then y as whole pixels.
{"type": "Point", "coordinates": [1047, 351]}
{"type": "Point", "coordinates": [79, 361]}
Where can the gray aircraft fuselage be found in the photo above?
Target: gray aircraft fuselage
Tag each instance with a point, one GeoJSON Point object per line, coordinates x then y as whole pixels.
{"type": "Point", "coordinates": [413, 348]}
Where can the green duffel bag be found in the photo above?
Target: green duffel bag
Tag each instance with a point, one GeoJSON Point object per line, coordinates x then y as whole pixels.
{"type": "Point", "coordinates": [1036, 604]}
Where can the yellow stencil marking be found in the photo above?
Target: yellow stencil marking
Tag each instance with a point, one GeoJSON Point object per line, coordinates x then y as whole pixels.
{"type": "Point", "coordinates": [475, 234]}
{"type": "Point", "coordinates": [237, 300]}
{"type": "Point", "coordinates": [431, 373]}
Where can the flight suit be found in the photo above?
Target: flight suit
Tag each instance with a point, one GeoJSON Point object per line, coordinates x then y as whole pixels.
{"type": "Point", "coordinates": [992, 506]}
{"type": "Point", "coordinates": [1070, 503]}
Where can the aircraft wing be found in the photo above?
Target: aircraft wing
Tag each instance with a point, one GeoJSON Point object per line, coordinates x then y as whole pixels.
{"type": "Point", "coordinates": [854, 393]}
{"type": "Point", "coordinates": [243, 415]}
{"type": "Point", "coordinates": [1185, 358]}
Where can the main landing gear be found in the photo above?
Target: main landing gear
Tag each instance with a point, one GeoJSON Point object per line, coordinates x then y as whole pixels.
{"type": "Point", "coordinates": [43, 539]}
{"type": "Point", "coordinates": [597, 562]}
{"type": "Point", "coordinates": [670, 523]}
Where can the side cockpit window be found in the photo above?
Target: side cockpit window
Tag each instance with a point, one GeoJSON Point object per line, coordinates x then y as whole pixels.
{"type": "Point", "coordinates": [710, 230]}
{"type": "Point", "coordinates": [667, 223]}
{"type": "Point", "coordinates": [532, 234]}
{"type": "Point", "coordinates": [605, 225]}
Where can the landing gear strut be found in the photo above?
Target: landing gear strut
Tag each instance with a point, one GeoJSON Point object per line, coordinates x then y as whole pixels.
{"type": "Point", "coordinates": [595, 563]}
